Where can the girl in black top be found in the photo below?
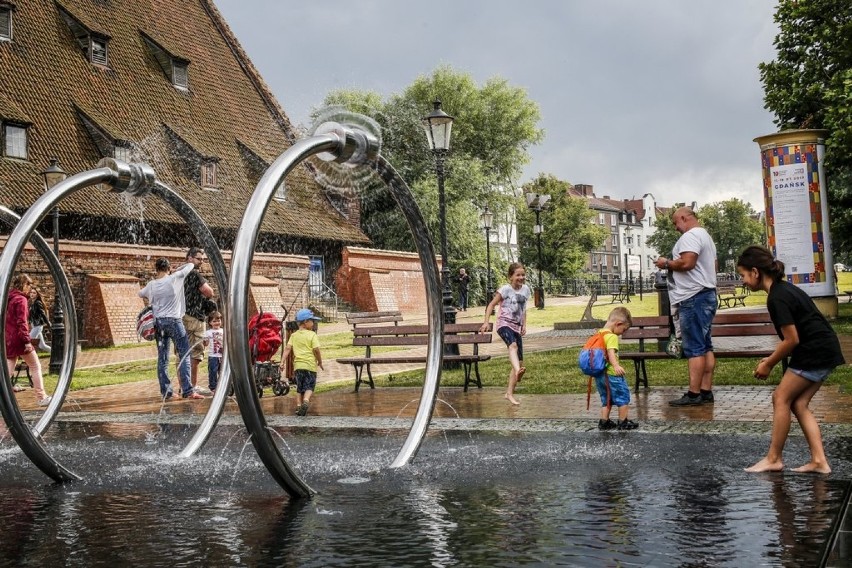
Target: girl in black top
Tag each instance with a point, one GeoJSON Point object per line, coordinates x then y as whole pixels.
{"type": "Point", "coordinates": [37, 320]}
{"type": "Point", "coordinates": [810, 343]}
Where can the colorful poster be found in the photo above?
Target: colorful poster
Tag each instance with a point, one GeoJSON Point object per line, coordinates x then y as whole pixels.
{"type": "Point", "coordinates": [791, 206]}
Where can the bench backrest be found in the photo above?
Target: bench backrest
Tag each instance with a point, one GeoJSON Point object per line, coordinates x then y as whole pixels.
{"type": "Point", "coordinates": [361, 318]}
{"type": "Point", "coordinates": [743, 324]}
{"type": "Point", "coordinates": [400, 335]}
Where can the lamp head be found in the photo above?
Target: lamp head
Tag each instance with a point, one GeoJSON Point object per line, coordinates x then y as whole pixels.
{"type": "Point", "coordinates": [53, 174]}
{"type": "Point", "coordinates": [438, 126]}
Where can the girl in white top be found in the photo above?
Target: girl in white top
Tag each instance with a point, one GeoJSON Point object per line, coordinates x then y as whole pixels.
{"type": "Point", "coordinates": [511, 322]}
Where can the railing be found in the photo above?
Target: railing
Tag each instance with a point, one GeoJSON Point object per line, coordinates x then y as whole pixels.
{"type": "Point", "coordinates": [324, 300]}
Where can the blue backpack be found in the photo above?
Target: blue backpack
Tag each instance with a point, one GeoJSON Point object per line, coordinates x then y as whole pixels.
{"type": "Point", "coordinates": [592, 359]}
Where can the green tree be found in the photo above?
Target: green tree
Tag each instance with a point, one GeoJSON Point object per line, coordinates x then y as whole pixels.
{"type": "Point", "coordinates": [733, 225]}
{"type": "Point", "coordinates": [569, 233]}
{"type": "Point", "coordinates": [809, 85]}
{"type": "Point", "coordinates": [494, 126]}
{"type": "Point", "coordinates": [665, 236]}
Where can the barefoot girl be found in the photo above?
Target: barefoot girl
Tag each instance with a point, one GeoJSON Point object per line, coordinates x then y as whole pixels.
{"type": "Point", "coordinates": [512, 322]}
{"type": "Point", "coordinates": [814, 351]}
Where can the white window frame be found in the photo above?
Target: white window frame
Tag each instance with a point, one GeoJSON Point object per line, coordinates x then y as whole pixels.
{"type": "Point", "coordinates": [209, 176]}
{"type": "Point", "coordinates": [6, 18]}
{"type": "Point", "coordinates": [180, 74]}
{"type": "Point", "coordinates": [9, 138]}
{"type": "Point", "coordinates": [122, 153]}
{"type": "Point", "coordinates": [95, 55]}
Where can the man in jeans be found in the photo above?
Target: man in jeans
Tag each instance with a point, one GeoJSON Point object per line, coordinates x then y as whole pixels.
{"type": "Point", "coordinates": [692, 292]}
{"type": "Point", "coordinates": [165, 295]}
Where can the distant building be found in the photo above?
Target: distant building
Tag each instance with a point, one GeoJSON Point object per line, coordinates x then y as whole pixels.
{"type": "Point", "coordinates": [630, 223]}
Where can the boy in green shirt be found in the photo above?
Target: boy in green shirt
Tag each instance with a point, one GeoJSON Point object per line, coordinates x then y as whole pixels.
{"type": "Point", "coordinates": [305, 347]}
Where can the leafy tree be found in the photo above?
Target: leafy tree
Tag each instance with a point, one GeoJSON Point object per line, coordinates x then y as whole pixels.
{"type": "Point", "coordinates": [665, 235]}
{"type": "Point", "coordinates": [809, 85]}
{"type": "Point", "coordinates": [733, 226]}
{"type": "Point", "coordinates": [494, 125]}
{"type": "Point", "coordinates": [569, 233]}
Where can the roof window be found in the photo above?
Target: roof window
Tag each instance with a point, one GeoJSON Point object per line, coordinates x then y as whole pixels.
{"type": "Point", "coordinates": [175, 68]}
{"type": "Point", "coordinates": [14, 140]}
{"type": "Point", "coordinates": [6, 22]}
{"type": "Point", "coordinates": [93, 44]}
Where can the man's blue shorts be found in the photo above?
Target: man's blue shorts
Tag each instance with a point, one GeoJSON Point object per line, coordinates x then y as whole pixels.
{"type": "Point", "coordinates": [510, 336]}
{"type": "Point", "coordinates": [305, 380]}
{"type": "Point", "coordinates": [619, 393]}
{"type": "Point", "coordinates": [696, 314]}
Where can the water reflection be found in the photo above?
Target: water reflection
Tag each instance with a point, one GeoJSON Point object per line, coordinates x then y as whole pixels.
{"type": "Point", "coordinates": [496, 500]}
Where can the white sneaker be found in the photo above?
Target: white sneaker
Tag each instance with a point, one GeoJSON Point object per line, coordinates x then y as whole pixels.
{"type": "Point", "coordinates": [45, 401]}
{"type": "Point", "coordinates": [203, 391]}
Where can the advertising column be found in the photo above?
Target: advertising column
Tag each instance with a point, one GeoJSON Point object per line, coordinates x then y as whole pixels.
{"type": "Point", "coordinates": [796, 203]}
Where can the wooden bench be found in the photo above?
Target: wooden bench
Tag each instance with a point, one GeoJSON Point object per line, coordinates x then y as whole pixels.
{"type": "Point", "coordinates": [656, 328]}
{"type": "Point", "coordinates": [364, 318]}
{"type": "Point", "coordinates": [415, 336]}
{"type": "Point", "coordinates": [622, 295]}
{"type": "Point", "coordinates": [730, 297]}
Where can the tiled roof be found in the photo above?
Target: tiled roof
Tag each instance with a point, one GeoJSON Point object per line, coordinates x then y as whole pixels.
{"type": "Point", "coordinates": [47, 80]}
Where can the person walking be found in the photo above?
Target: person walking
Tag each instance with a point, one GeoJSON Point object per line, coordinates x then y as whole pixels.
{"type": "Point", "coordinates": [165, 295]}
{"type": "Point", "coordinates": [464, 284]}
{"type": "Point", "coordinates": [305, 346]}
{"type": "Point", "coordinates": [814, 351]}
{"type": "Point", "coordinates": [38, 319]}
{"type": "Point", "coordinates": [511, 322]}
{"type": "Point", "coordinates": [197, 294]}
{"type": "Point", "coordinates": [692, 292]}
{"type": "Point", "coordinates": [611, 386]}
{"type": "Point", "coordinates": [17, 336]}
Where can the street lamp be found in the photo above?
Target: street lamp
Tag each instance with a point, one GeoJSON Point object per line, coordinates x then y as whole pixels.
{"type": "Point", "coordinates": [537, 202]}
{"type": "Point", "coordinates": [487, 217]}
{"type": "Point", "coordinates": [438, 126]}
{"type": "Point", "coordinates": [53, 175]}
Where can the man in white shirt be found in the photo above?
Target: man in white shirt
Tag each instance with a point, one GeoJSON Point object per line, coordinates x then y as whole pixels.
{"type": "Point", "coordinates": [692, 293]}
{"type": "Point", "coordinates": [165, 295]}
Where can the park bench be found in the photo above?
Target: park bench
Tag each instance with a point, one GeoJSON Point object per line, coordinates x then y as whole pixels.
{"type": "Point", "coordinates": [730, 297]}
{"type": "Point", "coordinates": [416, 336]}
{"type": "Point", "coordinates": [622, 294]}
{"type": "Point", "coordinates": [656, 328]}
{"type": "Point", "coordinates": [848, 295]}
{"type": "Point", "coordinates": [368, 318]}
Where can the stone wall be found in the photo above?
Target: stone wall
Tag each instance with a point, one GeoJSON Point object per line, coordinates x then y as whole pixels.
{"type": "Point", "coordinates": [105, 277]}
{"type": "Point", "coordinates": [372, 279]}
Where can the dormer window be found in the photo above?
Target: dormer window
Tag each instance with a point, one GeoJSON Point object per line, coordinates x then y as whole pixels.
{"type": "Point", "coordinates": [14, 140]}
{"type": "Point", "coordinates": [5, 23]}
{"type": "Point", "coordinates": [122, 153]}
{"type": "Point", "coordinates": [280, 192]}
{"type": "Point", "coordinates": [175, 68]}
{"type": "Point", "coordinates": [208, 175]}
{"type": "Point", "coordinates": [93, 44]}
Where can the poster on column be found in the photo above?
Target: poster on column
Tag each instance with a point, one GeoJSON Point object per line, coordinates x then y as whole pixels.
{"type": "Point", "coordinates": [792, 212]}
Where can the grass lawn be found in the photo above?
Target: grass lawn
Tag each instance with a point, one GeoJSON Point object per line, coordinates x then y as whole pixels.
{"type": "Point", "coordinates": [549, 373]}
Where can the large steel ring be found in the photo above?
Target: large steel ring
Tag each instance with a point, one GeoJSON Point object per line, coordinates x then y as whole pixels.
{"type": "Point", "coordinates": [340, 142]}
{"type": "Point", "coordinates": [137, 179]}
{"type": "Point", "coordinates": [69, 353]}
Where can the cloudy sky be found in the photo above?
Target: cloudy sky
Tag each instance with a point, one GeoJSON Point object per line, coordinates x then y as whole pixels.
{"type": "Point", "coordinates": [659, 96]}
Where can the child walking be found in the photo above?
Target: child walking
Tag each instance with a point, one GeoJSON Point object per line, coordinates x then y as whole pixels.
{"type": "Point", "coordinates": [511, 322]}
{"type": "Point", "coordinates": [214, 340]}
{"type": "Point", "coordinates": [305, 347]}
{"type": "Point", "coordinates": [814, 351]}
{"type": "Point", "coordinates": [611, 385]}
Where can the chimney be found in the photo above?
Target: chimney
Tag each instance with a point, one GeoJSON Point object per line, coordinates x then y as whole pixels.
{"type": "Point", "coordinates": [585, 189]}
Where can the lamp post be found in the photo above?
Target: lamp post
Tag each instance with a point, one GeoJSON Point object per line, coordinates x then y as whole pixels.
{"type": "Point", "coordinates": [438, 126]}
{"type": "Point", "coordinates": [537, 202]}
{"type": "Point", "coordinates": [487, 217]}
{"type": "Point", "coordinates": [53, 175]}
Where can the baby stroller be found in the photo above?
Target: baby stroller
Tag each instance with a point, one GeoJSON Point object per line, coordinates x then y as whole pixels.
{"type": "Point", "coordinates": [264, 341]}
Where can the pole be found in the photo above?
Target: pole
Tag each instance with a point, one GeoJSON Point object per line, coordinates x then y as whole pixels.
{"type": "Point", "coordinates": [446, 290]}
{"type": "Point", "coordinates": [57, 327]}
{"type": "Point", "coordinates": [540, 289]}
{"type": "Point", "coordinates": [489, 293]}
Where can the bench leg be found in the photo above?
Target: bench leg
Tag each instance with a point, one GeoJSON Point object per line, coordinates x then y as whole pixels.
{"type": "Point", "coordinates": [636, 368]}
{"type": "Point", "coordinates": [467, 378]}
{"type": "Point", "coordinates": [639, 365]}
{"type": "Point", "coordinates": [370, 377]}
{"type": "Point", "coordinates": [359, 369]}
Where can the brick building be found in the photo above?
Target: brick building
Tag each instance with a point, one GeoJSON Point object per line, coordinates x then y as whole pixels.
{"type": "Point", "coordinates": [163, 82]}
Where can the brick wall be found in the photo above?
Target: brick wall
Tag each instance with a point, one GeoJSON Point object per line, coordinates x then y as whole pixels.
{"type": "Point", "coordinates": [105, 277]}
{"type": "Point", "coordinates": [372, 279]}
